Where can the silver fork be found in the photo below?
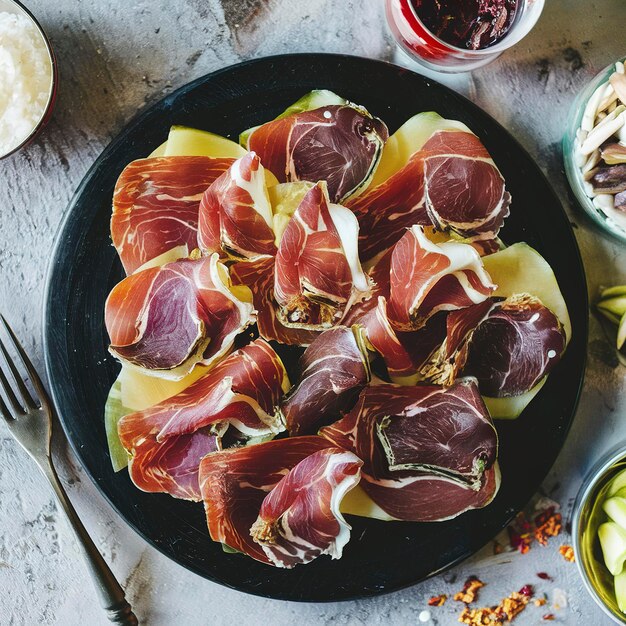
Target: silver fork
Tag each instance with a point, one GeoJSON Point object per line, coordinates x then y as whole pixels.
{"type": "Point", "coordinates": [30, 422]}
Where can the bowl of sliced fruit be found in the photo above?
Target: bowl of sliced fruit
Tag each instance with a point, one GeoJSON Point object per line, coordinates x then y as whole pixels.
{"type": "Point", "coordinates": [599, 532]}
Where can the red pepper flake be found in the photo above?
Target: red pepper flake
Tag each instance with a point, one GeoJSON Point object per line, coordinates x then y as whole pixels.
{"type": "Point", "coordinates": [438, 600]}
{"type": "Point", "coordinates": [548, 617]}
{"type": "Point", "coordinates": [567, 552]}
{"type": "Point", "coordinates": [470, 589]}
{"type": "Point", "coordinates": [527, 590]}
{"type": "Point", "coordinates": [544, 576]}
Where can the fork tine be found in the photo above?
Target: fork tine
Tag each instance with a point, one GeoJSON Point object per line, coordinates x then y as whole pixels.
{"type": "Point", "coordinates": [4, 410]}
{"type": "Point", "coordinates": [26, 397]}
{"type": "Point", "coordinates": [28, 366]}
{"type": "Point", "coordinates": [7, 387]}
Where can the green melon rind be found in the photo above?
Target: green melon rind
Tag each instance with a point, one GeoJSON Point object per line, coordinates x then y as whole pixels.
{"type": "Point", "coordinates": [114, 410]}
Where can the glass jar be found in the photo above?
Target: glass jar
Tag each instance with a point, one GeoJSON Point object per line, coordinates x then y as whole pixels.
{"type": "Point", "coordinates": [417, 41]}
{"type": "Point", "coordinates": [613, 222]}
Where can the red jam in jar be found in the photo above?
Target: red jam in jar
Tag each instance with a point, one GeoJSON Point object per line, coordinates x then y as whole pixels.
{"type": "Point", "coordinates": [460, 35]}
{"type": "Point", "coordinates": [471, 24]}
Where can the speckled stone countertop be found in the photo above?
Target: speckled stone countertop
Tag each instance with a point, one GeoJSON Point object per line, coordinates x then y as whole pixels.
{"type": "Point", "coordinates": [115, 57]}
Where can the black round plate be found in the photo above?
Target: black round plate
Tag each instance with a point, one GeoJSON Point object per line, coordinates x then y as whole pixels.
{"type": "Point", "coordinates": [381, 556]}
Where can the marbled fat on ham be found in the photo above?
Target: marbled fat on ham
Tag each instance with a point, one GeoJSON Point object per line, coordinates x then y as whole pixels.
{"type": "Point", "coordinates": [334, 368]}
{"type": "Point", "coordinates": [300, 518]}
{"type": "Point", "coordinates": [427, 278]}
{"type": "Point", "coordinates": [450, 183]}
{"type": "Point", "coordinates": [235, 216]}
{"type": "Point", "coordinates": [235, 482]}
{"type": "Point", "coordinates": [167, 319]}
{"type": "Point", "coordinates": [515, 346]}
{"type": "Point", "coordinates": [340, 144]}
{"type": "Point", "coordinates": [464, 189]}
{"type": "Point", "coordinates": [317, 273]}
{"type": "Point", "coordinates": [166, 442]}
{"type": "Point", "coordinates": [429, 452]}
{"type": "Point", "coordinates": [155, 205]}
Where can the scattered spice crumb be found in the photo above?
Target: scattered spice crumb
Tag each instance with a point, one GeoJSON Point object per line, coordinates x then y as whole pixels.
{"type": "Point", "coordinates": [548, 617]}
{"type": "Point", "coordinates": [469, 593]}
{"type": "Point", "coordinates": [567, 552]}
{"type": "Point", "coordinates": [497, 548]}
{"type": "Point", "coordinates": [439, 600]}
{"type": "Point", "coordinates": [548, 524]}
{"type": "Point", "coordinates": [539, 601]}
{"type": "Point", "coordinates": [506, 611]}
{"type": "Point", "coordinates": [544, 576]}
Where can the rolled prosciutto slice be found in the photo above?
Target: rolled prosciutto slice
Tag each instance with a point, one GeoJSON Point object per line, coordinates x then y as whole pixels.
{"type": "Point", "coordinates": [300, 519]}
{"type": "Point", "coordinates": [167, 319]}
{"type": "Point", "coordinates": [515, 346]}
{"type": "Point", "coordinates": [450, 183]}
{"type": "Point", "coordinates": [427, 278]}
{"type": "Point", "coordinates": [340, 144]}
{"type": "Point", "coordinates": [429, 452]}
{"type": "Point", "coordinates": [235, 213]}
{"type": "Point", "coordinates": [233, 403]}
{"type": "Point", "coordinates": [317, 273]}
{"type": "Point", "coordinates": [464, 189]}
{"type": "Point", "coordinates": [155, 205]}
{"type": "Point", "coordinates": [404, 353]}
{"type": "Point", "coordinates": [235, 482]}
{"type": "Point", "coordinates": [335, 367]}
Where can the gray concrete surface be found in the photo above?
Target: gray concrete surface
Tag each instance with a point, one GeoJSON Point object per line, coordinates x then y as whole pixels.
{"type": "Point", "coordinates": [117, 56]}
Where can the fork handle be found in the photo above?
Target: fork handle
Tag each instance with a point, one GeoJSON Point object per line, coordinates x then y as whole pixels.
{"type": "Point", "coordinates": [110, 593]}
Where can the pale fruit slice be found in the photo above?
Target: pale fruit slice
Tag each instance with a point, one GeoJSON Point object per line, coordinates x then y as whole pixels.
{"type": "Point", "coordinates": [615, 508]}
{"type": "Point", "coordinates": [285, 199]}
{"type": "Point", "coordinates": [616, 305]}
{"type": "Point", "coordinates": [179, 252]}
{"type": "Point", "coordinates": [510, 408]}
{"type": "Point", "coordinates": [620, 591]}
{"type": "Point", "coordinates": [621, 332]}
{"type": "Point", "coordinates": [610, 292]}
{"type": "Point", "coordinates": [140, 391]}
{"type": "Point", "coordinates": [114, 410]}
{"type": "Point", "coordinates": [313, 100]}
{"type": "Point", "coordinates": [408, 139]}
{"type": "Point", "coordinates": [158, 152]}
{"type": "Point", "coordinates": [357, 502]}
{"type": "Point", "coordinates": [613, 544]}
{"type": "Point", "coordinates": [184, 141]}
{"type": "Point", "coordinates": [621, 493]}
{"type": "Point", "coordinates": [521, 269]}
{"type": "Point", "coordinates": [617, 484]}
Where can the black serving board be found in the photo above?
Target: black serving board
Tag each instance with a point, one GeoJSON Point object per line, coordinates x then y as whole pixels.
{"type": "Point", "coordinates": [381, 556]}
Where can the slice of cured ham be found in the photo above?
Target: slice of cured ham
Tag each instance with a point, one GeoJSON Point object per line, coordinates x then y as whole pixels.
{"type": "Point", "coordinates": [464, 189]}
{"type": "Point", "coordinates": [317, 273]}
{"type": "Point", "coordinates": [300, 519]}
{"type": "Point", "coordinates": [451, 183]}
{"type": "Point", "coordinates": [167, 319]}
{"type": "Point", "coordinates": [235, 213]}
{"type": "Point", "coordinates": [429, 452]}
{"type": "Point", "coordinates": [335, 367]}
{"type": "Point", "coordinates": [155, 205]}
{"type": "Point", "coordinates": [404, 353]}
{"type": "Point", "coordinates": [444, 364]}
{"type": "Point", "coordinates": [340, 144]}
{"type": "Point", "coordinates": [515, 347]}
{"type": "Point", "coordinates": [235, 482]}
{"type": "Point", "coordinates": [258, 276]}
{"type": "Point", "coordinates": [236, 399]}
{"type": "Point", "coordinates": [427, 277]}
